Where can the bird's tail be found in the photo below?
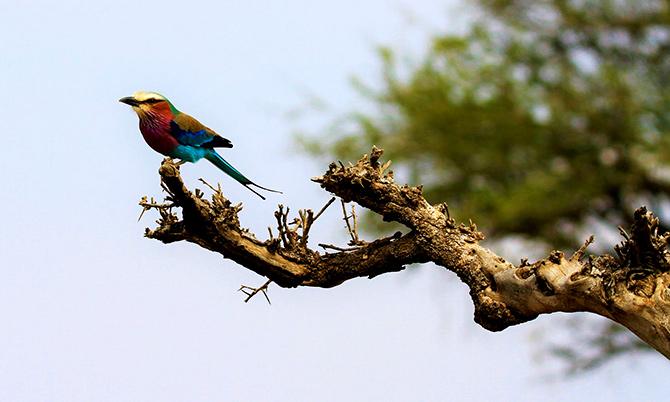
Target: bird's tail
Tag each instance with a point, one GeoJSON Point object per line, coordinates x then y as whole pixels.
{"type": "Point", "coordinates": [222, 164]}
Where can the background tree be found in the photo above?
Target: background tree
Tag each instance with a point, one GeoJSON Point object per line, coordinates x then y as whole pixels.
{"type": "Point", "coordinates": [544, 116]}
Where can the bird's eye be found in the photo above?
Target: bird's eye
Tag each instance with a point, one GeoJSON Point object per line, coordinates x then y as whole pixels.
{"type": "Point", "coordinates": [152, 100]}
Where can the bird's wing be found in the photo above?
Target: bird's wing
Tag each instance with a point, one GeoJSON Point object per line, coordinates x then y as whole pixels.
{"type": "Point", "coordinates": [189, 131]}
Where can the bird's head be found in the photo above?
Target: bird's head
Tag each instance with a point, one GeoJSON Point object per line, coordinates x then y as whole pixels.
{"type": "Point", "coordinates": [149, 103]}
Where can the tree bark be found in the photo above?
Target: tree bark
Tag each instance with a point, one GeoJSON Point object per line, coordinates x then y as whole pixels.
{"type": "Point", "coordinates": [630, 287]}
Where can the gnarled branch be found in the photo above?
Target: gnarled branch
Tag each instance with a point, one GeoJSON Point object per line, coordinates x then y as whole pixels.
{"type": "Point", "coordinates": [630, 288]}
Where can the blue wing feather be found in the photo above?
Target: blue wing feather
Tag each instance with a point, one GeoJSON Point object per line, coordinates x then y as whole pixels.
{"type": "Point", "coordinates": [189, 131]}
{"type": "Point", "coordinates": [200, 138]}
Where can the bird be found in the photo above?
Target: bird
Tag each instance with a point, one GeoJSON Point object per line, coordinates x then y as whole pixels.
{"type": "Point", "coordinates": [176, 134]}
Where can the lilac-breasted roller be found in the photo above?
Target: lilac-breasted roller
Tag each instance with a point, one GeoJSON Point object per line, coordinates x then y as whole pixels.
{"type": "Point", "coordinates": [178, 135]}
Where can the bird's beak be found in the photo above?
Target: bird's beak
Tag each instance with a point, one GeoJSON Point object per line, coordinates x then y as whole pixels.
{"type": "Point", "coordinates": [129, 100]}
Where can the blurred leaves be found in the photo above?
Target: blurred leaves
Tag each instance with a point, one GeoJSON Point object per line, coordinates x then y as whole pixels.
{"type": "Point", "coordinates": [545, 114]}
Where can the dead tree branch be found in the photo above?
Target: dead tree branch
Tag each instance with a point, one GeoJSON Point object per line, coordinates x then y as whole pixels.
{"type": "Point", "coordinates": [631, 288]}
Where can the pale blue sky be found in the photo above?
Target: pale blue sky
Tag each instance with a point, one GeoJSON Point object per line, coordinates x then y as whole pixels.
{"type": "Point", "coordinates": [92, 311]}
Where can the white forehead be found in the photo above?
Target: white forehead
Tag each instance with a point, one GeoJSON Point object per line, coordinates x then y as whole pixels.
{"type": "Point", "coordinates": [142, 96]}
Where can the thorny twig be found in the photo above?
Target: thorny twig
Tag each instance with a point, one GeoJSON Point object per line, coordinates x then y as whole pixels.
{"type": "Point", "coordinates": [580, 252]}
{"type": "Point", "coordinates": [305, 222]}
{"type": "Point", "coordinates": [251, 292]}
{"type": "Point", "coordinates": [289, 235]}
{"type": "Point", "coordinates": [324, 208]}
{"type": "Point", "coordinates": [334, 247]}
{"type": "Point", "coordinates": [308, 218]}
{"type": "Point", "coordinates": [147, 205]}
{"type": "Point", "coordinates": [209, 185]}
{"type": "Point", "coordinates": [352, 227]}
{"type": "Point", "coordinates": [282, 226]}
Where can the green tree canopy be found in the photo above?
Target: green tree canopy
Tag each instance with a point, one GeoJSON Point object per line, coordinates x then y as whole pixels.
{"type": "Point", "coordinates": [542, 116]}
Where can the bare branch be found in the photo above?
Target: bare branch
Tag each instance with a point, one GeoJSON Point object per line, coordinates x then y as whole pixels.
{"type": "Point", "coordinates": [630, 289]}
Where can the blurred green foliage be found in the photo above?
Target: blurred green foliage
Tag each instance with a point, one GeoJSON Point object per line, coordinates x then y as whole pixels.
{"type": "Point", "coordinates": [544, 115]}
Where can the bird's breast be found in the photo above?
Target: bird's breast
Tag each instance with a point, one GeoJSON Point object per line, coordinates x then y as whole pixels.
{"type": "Point", "coordinates": [157, 136]}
